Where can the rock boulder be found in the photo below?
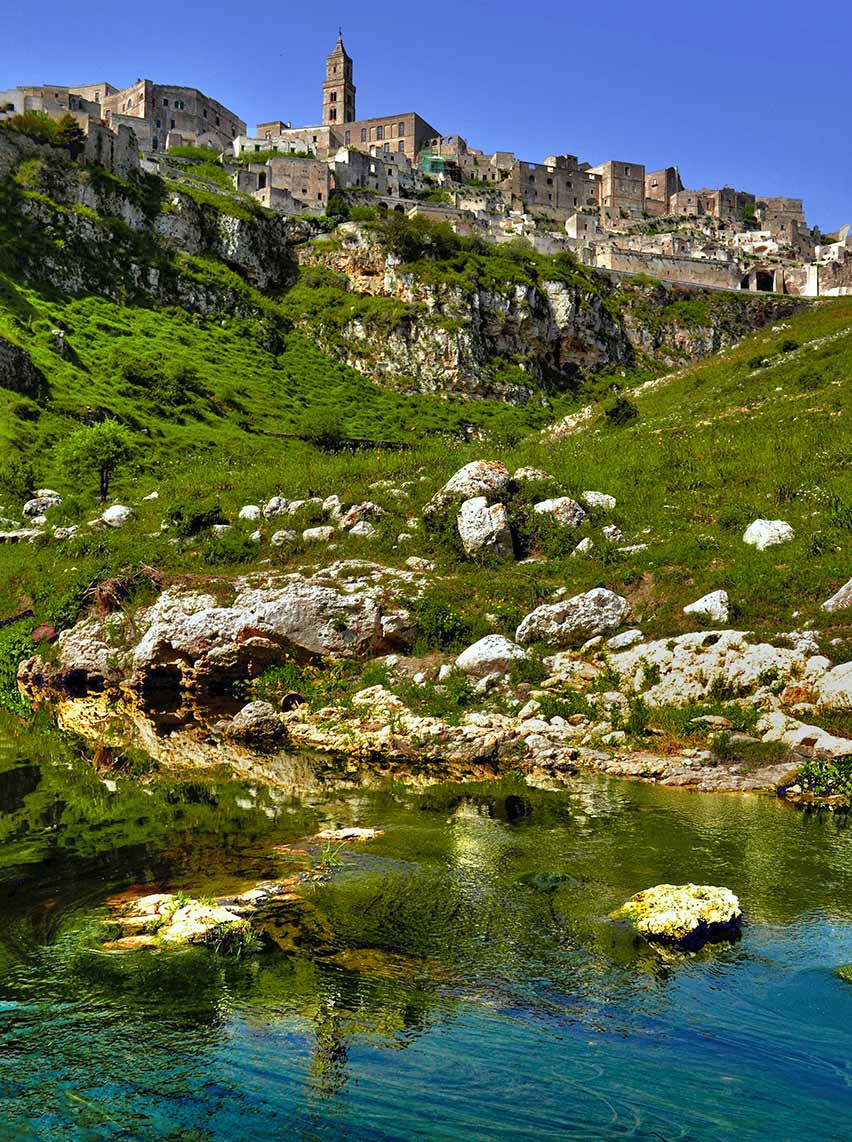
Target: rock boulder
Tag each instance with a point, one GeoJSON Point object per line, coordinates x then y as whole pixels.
{"type": "Point", "coordinates": [571, 622]}
{"type": "Point", "coordinates": [483, 528]}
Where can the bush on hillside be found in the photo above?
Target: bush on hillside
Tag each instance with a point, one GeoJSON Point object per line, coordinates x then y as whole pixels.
{"type": "Point", "coordinates": [620, 410]}
{"type": "Point", "coordinates": [323, 428]}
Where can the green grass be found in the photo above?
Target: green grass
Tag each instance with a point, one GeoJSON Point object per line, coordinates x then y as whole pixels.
{"type": "Point", "coordinates": [214, 402]}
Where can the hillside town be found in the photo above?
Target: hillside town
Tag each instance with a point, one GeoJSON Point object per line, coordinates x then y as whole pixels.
{"type": "Point", "coordinates": [614, 215]}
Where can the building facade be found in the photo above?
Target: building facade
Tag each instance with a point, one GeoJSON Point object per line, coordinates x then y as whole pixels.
{"type": "Point", "coordinates": [162, 115]}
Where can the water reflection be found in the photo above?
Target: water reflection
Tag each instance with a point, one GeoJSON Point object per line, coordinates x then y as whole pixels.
{"type": "Point", "coordinates": [458, 977]}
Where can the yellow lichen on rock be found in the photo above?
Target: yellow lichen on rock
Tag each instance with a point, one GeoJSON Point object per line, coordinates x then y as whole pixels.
{"type": "Point", "coordinates": [683, 913]}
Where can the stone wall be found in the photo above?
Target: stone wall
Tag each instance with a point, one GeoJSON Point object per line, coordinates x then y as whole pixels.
{"type": "Point", "coordinates": [691, 271]}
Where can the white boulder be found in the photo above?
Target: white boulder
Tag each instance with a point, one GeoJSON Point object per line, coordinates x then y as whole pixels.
{"type": "Point", "coordinates": [493, 653]}
{"type": "Point", "coordinates": [613, 534]}
{"type": "Point", "coordinates": [624, 640]}
{"type": "Point", "coordinates": [484, 528]}
{"type": "Point", "coordinates": [841, 600]}
{"type": "Point", "coordinates": [35, 509]}
{"type": "Point", "coordinates": [281, 538]}
{"type": "Point", "coordinates": [714, 606]}
{"type": "Point", "coordinates": [584, 547]}
{"type": "Point", "coordinates": [563, 511]}
{"type": "Point", "coordinates": [250, 512]}
{"type": "Point", "coordinates": [834, 689]}
{"type": "Point", "coordinates": [363, 529]}
{"type": "Point", "coordinates": [765, 533]}
{"type": "Point", "coordinates": [571, 621]}
{"type": "Point", "coordinates": [479, 478]}
{"type": "Point", "coordinates": [530, 475]}
{"type": "Point", "coordinates": [598, 500]}
{"type": "Point", "coordinates": [318, 534]}
{"type": "Point", "coordinates": [117, 515]}
{"type": "Point", "coordinates": [276, 506]}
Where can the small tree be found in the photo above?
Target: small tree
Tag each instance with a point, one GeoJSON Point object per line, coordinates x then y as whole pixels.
{"type": "Point", "coordinates": [70, 134]}
{"type": "Point", "coordinates": [102, 448]}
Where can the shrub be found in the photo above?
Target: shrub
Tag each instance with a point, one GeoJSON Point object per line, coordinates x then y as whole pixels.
{"type": "Point", "coordinates": [620, 410]}
{"type": "Point", "coordinates": [17, 478]}
{"type": "Point", "coordinates": [439, 627]}
{"type": "Point", "coordinates": [190, 520]}
{"type": "Point", "coordinates": [323, 428]}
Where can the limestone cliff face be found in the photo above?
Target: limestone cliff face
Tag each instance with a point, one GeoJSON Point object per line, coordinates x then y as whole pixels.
{"type": "Point", "coordinates": [477, 341]}
{"type": "Point", "coordinates": [82, 230]}
{"type": "Point", "coordinates": [512, 341]}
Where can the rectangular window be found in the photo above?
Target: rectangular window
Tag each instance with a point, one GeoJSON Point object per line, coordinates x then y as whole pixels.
{"type": "Point", "coordinates": [401, 130]}
{"type": "Point", "coordinates": [172, 123]}
{"type": "Point", "coordinates": [402, 146]}
{"type": "Point", "coordinates": [159, 124]}
{"type": "Point", "coordinates": [347, 138]}
{"type": "Point", "coordinates": [363, 134]}
{"type": "Point", "coordinates": [204, 112]}
{"type": "Point", "coordinates": [165, 102]}
{"type": "Point", "coordinates": [217, 120]}
{"type": "Point", "coordinates": [380, 133]}
{"type": "Point", "coordinates": [333, 97]}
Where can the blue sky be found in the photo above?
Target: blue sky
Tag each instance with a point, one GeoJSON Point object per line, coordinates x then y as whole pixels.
{"type": "Point", "coordinates": [757, 96]}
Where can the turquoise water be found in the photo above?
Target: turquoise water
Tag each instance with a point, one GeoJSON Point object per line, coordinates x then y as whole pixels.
{"type": "Point", "coordinates": [461, 979]}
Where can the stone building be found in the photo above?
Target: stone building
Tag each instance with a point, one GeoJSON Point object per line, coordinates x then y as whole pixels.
{"type": "Point", "coordinates": [622, 191]}
{"type": "Point", "coordinates": [405, 133]}
{"type": "Point", "coordinates": [557, 188]}
{"type": "Point", "coordinates": [164, 116]}
{"type": "Point", "coordinates": [659, 187]}
{"type": "Point", "coordinates": [317, 141]}
{"type": "Point", "coordinates": [85, 101]}
{"type": "Point", "coordinates": [338, 90]}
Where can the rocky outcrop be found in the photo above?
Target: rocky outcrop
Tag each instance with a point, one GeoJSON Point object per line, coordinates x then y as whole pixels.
{"type": "Point", "coordinates": [455, 329]}
{"type": "Point", "coordinates": [691, 666]}
{"type": "Point", "coordinates": [191, 640]}
{"type": "Point", "coordinates": [85, 234]}
{"type": "Point", "coordinates": [18, 374]}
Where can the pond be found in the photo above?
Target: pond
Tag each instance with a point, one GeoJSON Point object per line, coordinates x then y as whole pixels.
{"type": "Point", "coordinates": [461, 978]}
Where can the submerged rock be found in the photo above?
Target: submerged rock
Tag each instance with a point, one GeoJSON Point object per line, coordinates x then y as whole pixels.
{"type": "Point", "coordinates": [352, 833]}
{"type": "Point", "coordinates": [685, 914]}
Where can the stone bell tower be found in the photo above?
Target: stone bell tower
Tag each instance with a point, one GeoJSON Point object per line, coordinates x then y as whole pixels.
{"type": "Point", "coordinates": [338, 91]}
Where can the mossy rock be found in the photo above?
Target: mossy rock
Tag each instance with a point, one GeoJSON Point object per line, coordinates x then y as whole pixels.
{"type": "Point", "coordinates": [687, 915]}
{"type": "Point", "coordinates": [845, 972]}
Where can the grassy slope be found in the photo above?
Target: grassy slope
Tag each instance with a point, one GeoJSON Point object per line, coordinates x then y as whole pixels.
{"type": "Point", "coordinates": [715, 447]}
{"type": "Point", "coordinates": [712, 449]}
